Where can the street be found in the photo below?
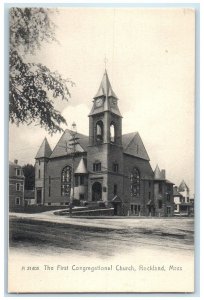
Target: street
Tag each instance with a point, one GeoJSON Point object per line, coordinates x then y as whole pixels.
{"type": "Point", "coordinates": [49, 253]}
{"type": "Point", "coordinates": [56, 234]}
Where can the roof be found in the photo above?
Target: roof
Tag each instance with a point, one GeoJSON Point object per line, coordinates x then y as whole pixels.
{"type": "Point", "coordinates": [61, 149]}
{"type": "Point", "coordinates": [168, 181]}
{"type": "Point", "coordinates": [176, 193]}
{"type": "Point", "coordinates": [116, 199]}
{"type": "Point", "coordinates": [106, 92]}
{"type": "Point", "coordinates": [183, 186]}
{"type": "Point", "coordinates": [12, 171]}
{"type": "Point", "coordinates": [133, 145]}
{"type": "Point", "coordinates": [185, 204]}
{"type": "Point", "coordinates": [44, 150]}
{"type": "Point", "coordinates": [105, 88]}
{"type": "Point", "coordinates": [12, 164]}
{"type": "Point", "coordinates": [81, 169]}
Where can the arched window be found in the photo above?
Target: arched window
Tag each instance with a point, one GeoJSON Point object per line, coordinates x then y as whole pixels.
{"type": "Point", "coordinates": [112, 133]}
{"type": "Point", "coordinates": [135, 182]}
{"type": "Point", "coordinates": [66, 178]}
{"type": "Point", "coordinates": [99, 132]}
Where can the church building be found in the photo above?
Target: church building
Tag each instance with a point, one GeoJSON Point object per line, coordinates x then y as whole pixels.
{"type": "Point", "coordinates": [106, 168]}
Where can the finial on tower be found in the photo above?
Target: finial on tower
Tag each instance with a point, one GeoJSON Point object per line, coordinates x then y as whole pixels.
{"type": "Point", "coordinates": [105, 61]}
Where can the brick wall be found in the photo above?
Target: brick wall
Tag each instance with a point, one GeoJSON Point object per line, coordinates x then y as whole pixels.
{"type": "Point", "coordinates": [54, 171]}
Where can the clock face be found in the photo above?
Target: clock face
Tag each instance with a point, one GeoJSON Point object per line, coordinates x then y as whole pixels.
{"type": "Point", "coordinates": [99, 102]}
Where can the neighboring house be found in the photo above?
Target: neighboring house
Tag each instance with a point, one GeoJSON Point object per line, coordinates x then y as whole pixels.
{"type": "Point", "coordinates": [184, 191]}
{"type": "Point", "coordinates": [178, 199]}
{"type": "Point", "coordinates": [16, 185]}
{"type": "Point", "coordinates": [183, 205]}
{"type": "Point", "coordinates": [163, 194]}
{"type": "Point", "coordinates": [29, 197]}
{"type": "Point", "coordinates": [109, 167]}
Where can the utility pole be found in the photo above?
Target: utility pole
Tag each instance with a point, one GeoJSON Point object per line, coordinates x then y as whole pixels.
{"type": "Point", "coordinates": [73, 142]}
{"type": "Point", "coordinates": [72, 146]}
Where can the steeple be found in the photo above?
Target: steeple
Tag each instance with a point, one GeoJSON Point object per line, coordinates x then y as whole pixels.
{"type": "Point", "coordinates": [44, 150]}
{"type": "Point", "coordinates": [105, 88]}
{"type": "Point", "coordinates": [157, 173]}
{"type": "Point", "coordinates": [105, 99]}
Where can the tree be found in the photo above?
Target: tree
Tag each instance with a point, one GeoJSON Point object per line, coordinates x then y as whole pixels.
{"type": "Point", "coordinates": [29, 173]}
{"type": "Point", "coordinates": [33, 87]}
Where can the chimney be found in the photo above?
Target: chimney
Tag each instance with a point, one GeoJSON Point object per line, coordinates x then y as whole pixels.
{"type": "Point", "coordinates": [15, 161]}
{"type": "Point", "coordinates": [163, 174]}
{"type": "Point", "coordinates": [176, 188]}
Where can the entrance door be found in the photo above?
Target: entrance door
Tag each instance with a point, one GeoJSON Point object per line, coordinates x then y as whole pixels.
{"type": "Point", "coordinates": [168, 211]}
{"type": "Point", "coordinates": [39, 196]}
{"type": "Point", "coordinates": [96, 191]}
{"type": "Point", "coordinates": [117, 209]}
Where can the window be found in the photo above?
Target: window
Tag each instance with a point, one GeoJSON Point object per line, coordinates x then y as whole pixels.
{"type": "Point", "coordinates": [112, 133]}
{"type": "Point", "coordinates": [160, 204]}
{"type": "Point", "coordinates": [66, 177]}
{"type": "Point", "coordinates": [81, 179]}
{"type": "Point", "coordinates": [115, 187]}
{"type": "Point", "coordinates": [49, 203]}
{"type": "Point", "coordinates": [188, 200]}
{"type": "Point", "coordinates": [135, 182]}
{"type": "Point", "coordinates": [115, 167]}
{"type": "Point", "coordinates": [39, 162]}
{"type": "Point", "coordinates": [160, 187]}
{"type": "Point", "coordinates": [97, 167]}
{"type": "Point", "coordinates": [168, 197]}
{"type": "Point", "coordinates": [18, 172]}
{"type": "Point", "coordinates": [18, 187]}
{"type": "Point", "coordinates": [76, 180]}
{"type": "Point", "coordinates": [17, 201]}
{"type": "Point", "coordinates": [99, 132]}
{"type": "Point", "coordinates": [39, 174]}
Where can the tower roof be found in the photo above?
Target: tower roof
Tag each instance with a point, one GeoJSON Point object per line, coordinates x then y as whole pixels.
{"type": "Point", "coordinates": [105, 88]}
{"type": "Point", "coordinates": [44, 150]}
{"type": "Point", "coordinates": [109, 98]}
{"type": "Point", "coordinates": [81, 169]}
{"type": "Point", "coordinates": [183, 186]}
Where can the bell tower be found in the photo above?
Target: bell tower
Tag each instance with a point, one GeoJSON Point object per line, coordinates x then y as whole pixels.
{"type": "Point", "coordinates": [105, 153]}
{"type": "Point", "coordinates": [105, 120]}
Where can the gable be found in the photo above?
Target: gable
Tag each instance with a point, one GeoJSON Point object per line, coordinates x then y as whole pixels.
{"type": "Point", "coordinates": [61, 149]}
{"type": "Point", "coordinates": [44, 150]}
{"type": "Point", "coordinates": [133, 145]}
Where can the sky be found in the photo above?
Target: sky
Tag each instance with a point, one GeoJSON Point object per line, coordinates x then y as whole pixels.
{"type": "Point", "coordinates": [150, 63]}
